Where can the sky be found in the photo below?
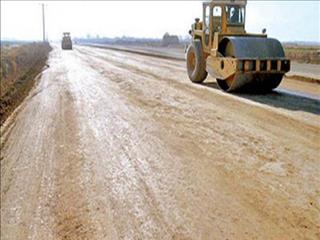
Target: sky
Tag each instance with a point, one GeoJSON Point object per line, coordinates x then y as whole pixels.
{"type": "Point", "coordinates": [285, 20]}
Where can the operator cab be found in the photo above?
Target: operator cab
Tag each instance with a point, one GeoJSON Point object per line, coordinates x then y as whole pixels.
{"type": "Point", "coordinates": [222, 17]}
{"type": "Point", "coordinates": [66, 34]}
{"type": "Point", "coordinates": [235, 17]}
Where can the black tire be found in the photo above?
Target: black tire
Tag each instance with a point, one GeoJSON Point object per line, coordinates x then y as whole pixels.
{"type": "Point", "coordinates": [274, 83]}
{"type": "Point", "coordinates": [196, 64]}
{"type": "Point", "coordinates": [223, 85]}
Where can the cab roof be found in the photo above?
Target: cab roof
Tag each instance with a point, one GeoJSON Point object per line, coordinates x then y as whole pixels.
{"type": "Point", "coordinates": [226, 2]}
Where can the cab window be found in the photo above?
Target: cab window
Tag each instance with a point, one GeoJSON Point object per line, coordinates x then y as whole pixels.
{"type": "Point", "coordinates": [235, 14]}
{"type": "Point", "coordinates": [207, 25]}
{"type": "Point", "coordinates": [207, 16]}
{"type": "Point", "coordinates": [217, 13]}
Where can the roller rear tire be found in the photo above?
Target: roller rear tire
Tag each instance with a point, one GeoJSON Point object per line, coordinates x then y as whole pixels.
{"type": "Point", "coordinates": [196, 64]}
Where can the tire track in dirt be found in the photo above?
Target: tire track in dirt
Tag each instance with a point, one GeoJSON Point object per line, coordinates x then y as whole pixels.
{"type": "Point", "coordinates": [126, 190]}
{"type": "Point", "coordinates": [70, 206]}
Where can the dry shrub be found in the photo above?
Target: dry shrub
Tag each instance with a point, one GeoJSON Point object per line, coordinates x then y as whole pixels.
{"type": "Point", "coordinates": [19, 67]}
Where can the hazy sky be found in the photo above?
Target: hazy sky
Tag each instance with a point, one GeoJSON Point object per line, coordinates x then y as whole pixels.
{"type": "Point", "coordinates": [285, 20]}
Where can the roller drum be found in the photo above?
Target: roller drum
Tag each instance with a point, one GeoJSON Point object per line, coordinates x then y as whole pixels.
{"type": "Point", "coordinates": [251, 48]}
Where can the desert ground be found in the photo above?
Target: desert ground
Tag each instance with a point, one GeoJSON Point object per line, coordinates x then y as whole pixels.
{"type": "Point", "coordinates": [118, 145]}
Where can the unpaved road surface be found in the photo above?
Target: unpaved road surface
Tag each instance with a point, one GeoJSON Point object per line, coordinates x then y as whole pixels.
{"type": "Point", "coordinates": [115, 145]}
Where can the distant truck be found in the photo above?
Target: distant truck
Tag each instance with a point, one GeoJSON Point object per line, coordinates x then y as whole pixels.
{"type": "Point", "coordinates": [66, 43]}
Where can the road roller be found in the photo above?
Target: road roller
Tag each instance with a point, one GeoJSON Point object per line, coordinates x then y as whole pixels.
{"type": "Point", "coordinates": [238, 60]}
{"type": "Point", "coordinates": [66, 43]}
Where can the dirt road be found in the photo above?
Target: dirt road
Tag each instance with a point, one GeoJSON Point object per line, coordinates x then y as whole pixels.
{"type": "Point", "coordinates": [114, 145]}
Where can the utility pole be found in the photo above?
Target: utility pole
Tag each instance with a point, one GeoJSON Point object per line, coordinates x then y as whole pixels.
{"type": "Point", "coordinates": [43, 24]}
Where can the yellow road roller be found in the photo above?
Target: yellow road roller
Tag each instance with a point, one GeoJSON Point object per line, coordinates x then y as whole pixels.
{"type": "Point", "coordinates": [238, 60]}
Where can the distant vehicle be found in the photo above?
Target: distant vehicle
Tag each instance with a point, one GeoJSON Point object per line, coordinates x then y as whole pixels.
{"type": "Point", "coordinates": [238, 60]}
{"type": "Point", "coordinates": [66, 43]}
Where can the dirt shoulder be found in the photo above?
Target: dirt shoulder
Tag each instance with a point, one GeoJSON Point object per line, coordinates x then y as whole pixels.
{"type": "Point", "coordinates": [19, 67]}
{"type": "Point", "coordinates": [305, 72]}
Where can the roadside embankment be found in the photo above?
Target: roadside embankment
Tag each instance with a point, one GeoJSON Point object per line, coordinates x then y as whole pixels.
{"type": "Point", "coordinates": [19, 67]}
{"type": "Point", "coordinates": [306, 72]}
{"type": "Point", "coordinates": [303, 54]}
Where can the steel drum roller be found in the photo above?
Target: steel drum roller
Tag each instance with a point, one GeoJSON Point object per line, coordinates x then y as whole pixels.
{"type": "Point", "coordinates": [254, 48]}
